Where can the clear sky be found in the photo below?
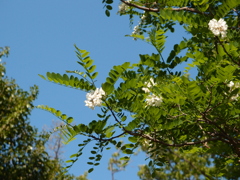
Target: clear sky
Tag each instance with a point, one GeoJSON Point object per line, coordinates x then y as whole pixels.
{"type": "Point", "coordinates": [41, 35]}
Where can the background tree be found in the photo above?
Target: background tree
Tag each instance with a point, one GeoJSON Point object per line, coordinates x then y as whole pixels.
{"type": "Point", "coordinates": [54, 143]}
{"type": "Point", "coordinates": [22, 147]}
{"type": "Point", "coordinates": [83, 177]}
{"type": "Point", "coordinates": [151, 102]}
{"type": "Point", "coordinates": [115, 164]}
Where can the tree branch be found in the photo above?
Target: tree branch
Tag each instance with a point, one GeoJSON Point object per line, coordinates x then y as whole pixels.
{"type": "Point", "coordinates": [223, 135]}
{"type": "Point", "coordinates": [157, 9]}
{"type": "Point", "coordinates": [228, 53]}
{"type": "Point", "coordinates": [140, 7]}
{"type": "Point", "coordinates": [172, 145]}
{"type": "Point", "coordinates": [232, 141]}
{"type": "Point", "coordinates": [106, 139]}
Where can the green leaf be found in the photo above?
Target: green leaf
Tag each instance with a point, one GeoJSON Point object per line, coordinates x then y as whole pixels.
{"type": "Point", "coordinates": [107, 87]}
{"type": "Point", "coordinates": [69, 161]}
{"type": "Point", "coordinates": [84, 53]}
{"type": "Point", "coordinates": [93, 152]}
{"type": "Point", "coordinates": [63, 116]}
{"type": "Point", "coordinates": [109, 7]}
{"type": "Point", "coordinates": [42, 76]}
{"type": "Point", "coordinates": [133, 139]}
{"type": "Point", "coordinates": [109, 1]}
{"type": "Point", "coordinates": [58, 113]}
{"type": "Point", "coordinates": [94, 75]}
{"type": "Point", "coordinates": [107, 12]}
{"type": "Point", "coordinates": [70, 120]}
{"type": "Point", "coordinates": [73, 155]}
{"type": "Point", "coordinates": [92, 68]}
{"type": "Point", "coordinates": [125, 158]}
{"type": "Point", "coordinates": [109, 132]}
{"type": "Point", "coordinates": [90, 170]}
{"type": "Point", "coordinates": [136, 36]}
{"type": "Point", "coordinates": [128, 151]}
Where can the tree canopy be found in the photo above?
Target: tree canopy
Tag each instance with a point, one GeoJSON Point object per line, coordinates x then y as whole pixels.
{"type": "Point", "coordinates": [151, 104]}
{"type": "Point", "coordinates": [22, 148]}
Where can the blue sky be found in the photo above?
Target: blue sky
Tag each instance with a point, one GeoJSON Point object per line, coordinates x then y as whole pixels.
{"type": "Point", "coordinates": [41, 35]}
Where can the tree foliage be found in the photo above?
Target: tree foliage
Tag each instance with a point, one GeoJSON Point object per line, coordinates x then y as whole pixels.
{"type": "Point", "coordinates": [149, 102]}
{"type": "Point", "coordinates": [22, 148]}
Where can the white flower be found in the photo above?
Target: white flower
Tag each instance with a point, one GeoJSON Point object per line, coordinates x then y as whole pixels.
{"type": "Point", "coordinates": [149, 85]}
{"type": "Point", "coordinates": [234, 98]}
{"type": "Point", "coordinates": [153, 100]}
{"type": "Point", "coordinates": [146, 90]}
{"type": "Point", "coordinates": [136, 29]}
{"type": "Point", "coordinates": [94, 98]}
{"type": "Point", "coordinates": [143, 18]}
{"type": "Point", "coordinates": [237, 85]}
{"type": "Point", "coordinates": [231, 84]}
{"type": "Point", "coordinates": [123, 7]}
{"type": "Point", "coordinates": [218, 27]}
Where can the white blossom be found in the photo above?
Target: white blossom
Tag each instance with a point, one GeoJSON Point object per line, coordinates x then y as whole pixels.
{"type": "Point", "coordinates": [234, 98]}
{"type": "Point", "coordinates": [143, 17]}
{"type": "Point", "coordinates": [233, 86]}
{"type": "Point", "coordinates": [94, 98]}
{"type": "Point", "coordinates": [218, 27]}
{"type": "Point", "coordinates": [136, 29]}
{"type": "Point", "coordinates": [149, 85]}
{"type": "Point", "coordinates": [153, 100]}
{"type": "Point", "coordinates": [123, 7]}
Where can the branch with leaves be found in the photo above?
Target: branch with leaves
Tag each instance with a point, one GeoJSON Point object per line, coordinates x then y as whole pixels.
{"type": "Point", "coordinates": [151, 103]}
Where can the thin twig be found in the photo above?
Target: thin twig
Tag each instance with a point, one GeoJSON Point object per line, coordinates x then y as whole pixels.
{"type": "Point", "coordinates": [227, 52]}
{"type": "Point", "coordinates": [107, 139]}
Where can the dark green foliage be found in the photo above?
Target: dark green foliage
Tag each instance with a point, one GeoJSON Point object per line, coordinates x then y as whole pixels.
{"type": "Point", "coordinates": [22, 148]}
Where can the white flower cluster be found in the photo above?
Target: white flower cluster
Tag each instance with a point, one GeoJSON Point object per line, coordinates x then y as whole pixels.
{"type": "Point", "coordinates": [143, 18]}
{"type": "Point", "coordinates": [94, 98]}
{"type": "Point", "coordinates": [137, 29]}
{"type": "Point", "coordinates": [153, 100]}
{"type": "Point", "coordinates": [233, 86]}
{"type": "Point", "coordinates": [123, 7]}
{"type": "Point", "coordinates": [218, 27]}
{"type": "Point", "coordinates": [149, 85]}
